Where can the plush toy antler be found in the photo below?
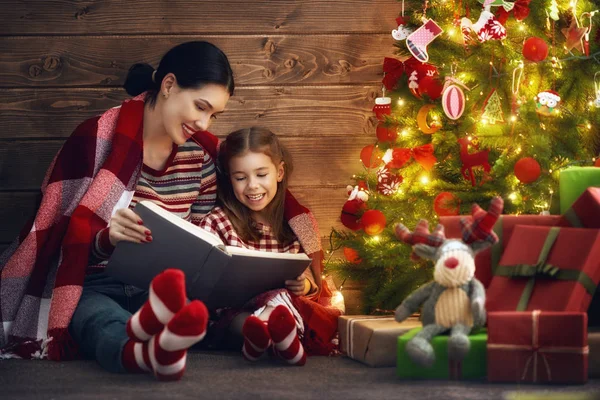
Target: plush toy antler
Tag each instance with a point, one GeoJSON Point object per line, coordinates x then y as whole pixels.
{"type": "Point", "coordinates": [480, 228]}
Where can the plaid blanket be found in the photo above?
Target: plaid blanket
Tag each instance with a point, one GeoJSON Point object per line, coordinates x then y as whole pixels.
{"type": "Point", "coordinates": [42, 272]}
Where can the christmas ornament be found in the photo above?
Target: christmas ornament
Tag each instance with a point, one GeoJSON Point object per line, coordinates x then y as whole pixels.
{"type": "Point", "coordinates": [453, 98]}
{"type": "Point", "coordinates": [431, 87]}
{"type": "Point", "coordinates": [574, 35]}
{"type": "Point", "coordinates": [547, 101]}
{"type": "Point", "coordinates": [392, 72]}
{"type": "Point", "coordinates": [520, 11]}
{"type": "Point", "coordinates": [423, 79]}
{"type": "Point", "coordinates": [351, 255]}
{"type": "Point", "coordinates": [492, 108]}
{"type": "Point", "coordinates": [386, 133]}
{"type": "Point", "coordinates": [553, 10]}
{"type": "Point", "coordinates": [371, 156]}
{"type": "Point", "coordinates": [382, 107]}
{"type": "Point", "coordinates": [402, 32]}
{"type": "Point", "coordinates": [398, 157]}
{"type": "Point", "coordinates": [446, 204]}
{"type": "Point", "coordinates": [418, 40]}
{"type": "Point", "coordinates": [387, 182]}
{"type": "Point", "coordinates": [527, 170]}
{"type": "Point", "coordinates": [373, 222]}
{"type": "Point", "coordinates": [597, 162]}
{"type": "Point", "coordinates": [353, 207]}
{"type": "Point", "coordinates": [422, 120]}
{"type": "Point", "coordinates": [486, 28]}
{"type": "Point", "coordinates": [506, 5]}
{"type": "Point", "coordinates": [588, 29]}
{"type": "Point", "coordinates": [535, 49]}
{"type": "Point", "coordinates": [472, 160]}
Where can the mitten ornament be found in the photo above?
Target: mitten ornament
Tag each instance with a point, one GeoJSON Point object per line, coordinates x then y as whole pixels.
{"type": "Point", "coordinates": [418, 40]}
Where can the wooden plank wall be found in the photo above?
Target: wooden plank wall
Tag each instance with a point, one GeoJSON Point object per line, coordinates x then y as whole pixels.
{"type": "Point", "coordinates": [308, 70]}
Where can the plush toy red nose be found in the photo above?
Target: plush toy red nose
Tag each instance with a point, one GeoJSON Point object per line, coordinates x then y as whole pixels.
{"type": "Point", "coordinates": [451, 263]}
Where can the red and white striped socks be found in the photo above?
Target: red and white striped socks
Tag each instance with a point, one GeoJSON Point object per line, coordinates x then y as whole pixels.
{"type": "Point", "coordinates": [280, 330]}
{"type": "Point", "coordinates": [164, 328]}
{"type": "Point", "coordinates": [256, 338]}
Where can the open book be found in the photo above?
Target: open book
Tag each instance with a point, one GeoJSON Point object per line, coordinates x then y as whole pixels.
{"type": "Point", "coordinates": [219, 275]}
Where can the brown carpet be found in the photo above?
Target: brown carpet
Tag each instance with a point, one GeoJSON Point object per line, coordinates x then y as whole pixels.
{"type": "Point", "coordinates": [225, 375]}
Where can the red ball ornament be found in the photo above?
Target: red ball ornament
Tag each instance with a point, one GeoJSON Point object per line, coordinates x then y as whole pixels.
{"type": "Point", "coordinates": [371, 156]}
{"type": "Point", "coordinates": [350, 217]}
{"type": "Point", "coordinates": [527, 170]}
{"type": "Point", "coordinates": [431, 86]}
{"type": "Point", "coordinates": [446, 204]}
{"type": "Point", "coordinates": [535, 49]}
{"type": "Point", "coordinates": [351, 255]}
{"type": "Point", "coordinates": [373, 222]}
{"type": "Point", "coordinates": [387, 134]}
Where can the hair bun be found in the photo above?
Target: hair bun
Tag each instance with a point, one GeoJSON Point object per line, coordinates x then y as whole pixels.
{"type": "Point", "coordinates": [139, 79]}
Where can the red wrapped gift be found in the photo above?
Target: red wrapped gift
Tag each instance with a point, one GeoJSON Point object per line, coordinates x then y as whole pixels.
{"type": "Point", "coordinates": [537, 346]}
{"type": "Point", "coordinates": [546, 268]}
{"type": "Point", "coordinates": [585, 211]}
{"type": "Point", "coordinates": [487, 260]}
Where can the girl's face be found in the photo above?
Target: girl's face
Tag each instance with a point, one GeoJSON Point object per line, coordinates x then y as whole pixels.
{"type": "Point", "coordinates": [185, 111]}
{"type": "Point", "coordinates": [254, 178]}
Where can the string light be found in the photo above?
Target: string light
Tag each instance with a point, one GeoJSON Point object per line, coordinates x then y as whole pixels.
{"type": "Point", "coordinates": [424, 179]}
{"type": "Point", "coordinates": [400, 102]}
{"type": "Point", "coordinates": [512, 196]}
{"type": "Point", "coordinates": [513, 118]}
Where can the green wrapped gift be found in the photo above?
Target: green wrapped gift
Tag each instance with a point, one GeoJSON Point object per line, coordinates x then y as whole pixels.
{"type": "Point", "coordinates": [474, 365]}
{"type": "Point", "coordinates": [573, 182]}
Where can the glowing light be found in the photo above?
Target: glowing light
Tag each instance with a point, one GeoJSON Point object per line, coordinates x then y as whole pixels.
{"type": "Point", "coordinates": [522, 27]}
{"type": "Point", "coordinates": [484, 121]}
{"type": "Point", "coordinates": [512, 196]}
{"type": "Point", "coordinates": [452, 31]}
{"type": "Point", "coordinates": [589, 126]}
{"type": "Point", "coordinates": [424, 179]}
{"type": "Point", "coordinates": [404, 133]}
{"type": "Point", "coordinates": [550, 171]}
{"type": "Point", "coordinates": [376, 239]}
{"type": "Point", "coordinates": [551, 191]}
{"type": "Point", "coordinates": [519, 150]}
{"type": "Point", "coordinates": [400, 102]}
{"type": "Point", "coordinates": [590, 104]}
{"type": "Point", "coordinates": [513, 118]}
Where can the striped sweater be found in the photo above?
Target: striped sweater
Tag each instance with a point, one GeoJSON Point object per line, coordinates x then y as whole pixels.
{"type": "Point", "coordinates": [186, 186]}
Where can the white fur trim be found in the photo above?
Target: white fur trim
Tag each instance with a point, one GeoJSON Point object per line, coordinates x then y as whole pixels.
{"type": "Point", "coordinates": [287, 342]}
{"type": "Point", "coordinates": [170, 341]}
{"type": "Point", "coordinates": [137, 328]}
{"type": "Point", "coordinates": [163, 314]}
{"type": "Point", "coordinates": [138, 352]}
{"type": "Point", "coordinates": [298, 356]}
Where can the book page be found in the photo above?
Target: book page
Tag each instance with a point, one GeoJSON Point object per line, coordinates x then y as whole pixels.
{"type": "Point", "coordinates": [183, 224]}
{"type": "Point", "coordinates": [265, 254]}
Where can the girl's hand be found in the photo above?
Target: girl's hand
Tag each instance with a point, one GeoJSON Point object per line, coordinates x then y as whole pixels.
{"type": "Point", "coordinates": [299, 286]}
{"type": "Point", "coordinates": [127, 225]}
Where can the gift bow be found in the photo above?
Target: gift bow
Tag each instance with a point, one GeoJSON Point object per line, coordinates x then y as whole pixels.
{"type": "Point", "coordinates": [393, 70]}
{"type": "Point", "coordinates": [422, 155]}
{"type": "Point", "coordinates": [541, 268]}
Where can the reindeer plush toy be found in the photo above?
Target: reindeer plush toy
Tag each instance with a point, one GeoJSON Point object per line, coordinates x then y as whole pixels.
{"type": "Point", "coordinates": [454, 301]}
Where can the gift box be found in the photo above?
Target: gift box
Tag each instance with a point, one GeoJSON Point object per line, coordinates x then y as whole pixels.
{"type": "Point", "coordinates": [372, 339]}
{"type": "Point", "coordinates": [573, 181]}
{"type": "Point", "coordinates": [473, 366]}
{"type": "Point", "coordinates": [537, 347]}
{"type": "Point", "coordinates": [546, 268]}
{"type": "Point", "coordinates": [585, 211]}
{"type": "Point", "coordinates": [594, 356]}
{"type": "Point", "coordinates": [487, 260]}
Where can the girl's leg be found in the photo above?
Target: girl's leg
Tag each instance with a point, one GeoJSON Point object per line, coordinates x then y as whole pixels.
{"type": "Point", "coordinates": [256, 335]}
{"type": "Point", "coordinates": [282, 329]}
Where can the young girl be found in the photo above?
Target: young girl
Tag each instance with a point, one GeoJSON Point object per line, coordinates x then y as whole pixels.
{"type": "Point", "coordinates": [254, 172]}
{"type": "Point", "coordinates": [56, 298]}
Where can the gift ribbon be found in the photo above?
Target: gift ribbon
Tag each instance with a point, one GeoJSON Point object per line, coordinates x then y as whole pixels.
{"type": "Point", "coordinates": [497, 248]}
{"type": "Point", "coordinates": [573, 219]}
{"type": "Point", "coordinates": [541, 268]}
{"type": "Point", "coordinates": [538, 352]}
{"type": "Point", "coordinates": [350, 336]}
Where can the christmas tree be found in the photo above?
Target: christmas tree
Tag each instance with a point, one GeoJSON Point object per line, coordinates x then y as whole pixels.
{"type": "Point", "coordinates": [484, 98]}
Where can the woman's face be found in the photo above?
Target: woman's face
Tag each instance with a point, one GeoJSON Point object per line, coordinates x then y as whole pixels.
{"type": "Point", "coordinates": [185, 111]}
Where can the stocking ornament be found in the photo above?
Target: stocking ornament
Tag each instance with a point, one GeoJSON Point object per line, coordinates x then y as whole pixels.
{"type": "Point", "coordinates": [418, 40]}
{"type": "Point", "coordinates": [402, 32]}
{"type": "Point", "coordinates": [382, 107]}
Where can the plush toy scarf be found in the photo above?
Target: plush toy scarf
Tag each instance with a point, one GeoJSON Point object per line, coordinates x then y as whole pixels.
{"type": "Point", "coordinates": [42, 272]}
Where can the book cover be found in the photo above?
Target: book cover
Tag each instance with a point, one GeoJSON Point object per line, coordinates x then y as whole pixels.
{"type": "Point", "coordinates": [219, 275]}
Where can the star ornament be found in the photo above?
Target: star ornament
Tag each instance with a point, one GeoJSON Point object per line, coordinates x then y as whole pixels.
{"type": "Point", "coordinates": [574, 36]}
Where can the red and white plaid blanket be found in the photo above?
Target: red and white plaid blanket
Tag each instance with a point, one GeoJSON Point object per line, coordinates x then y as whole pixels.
{"type": "Point", "coordinates": [42, 272]}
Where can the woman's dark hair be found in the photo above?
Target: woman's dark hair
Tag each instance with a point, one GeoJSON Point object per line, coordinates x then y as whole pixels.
{"type": "Point", "coordinates": [194, 64]}
{"type": "Point", "coordinates": [256, 140]}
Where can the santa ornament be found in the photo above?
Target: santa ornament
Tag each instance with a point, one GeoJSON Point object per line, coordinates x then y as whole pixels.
{"type": "Point", "coordinates": [402, 32]}
{"type": "Point", "coordinates": [547, 102]}
{"type": "Point", "coordinates": [353, 207]}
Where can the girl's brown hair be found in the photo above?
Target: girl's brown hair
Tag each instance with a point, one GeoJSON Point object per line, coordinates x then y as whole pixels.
{"type": "Point", "coordinates": [256, 140]}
